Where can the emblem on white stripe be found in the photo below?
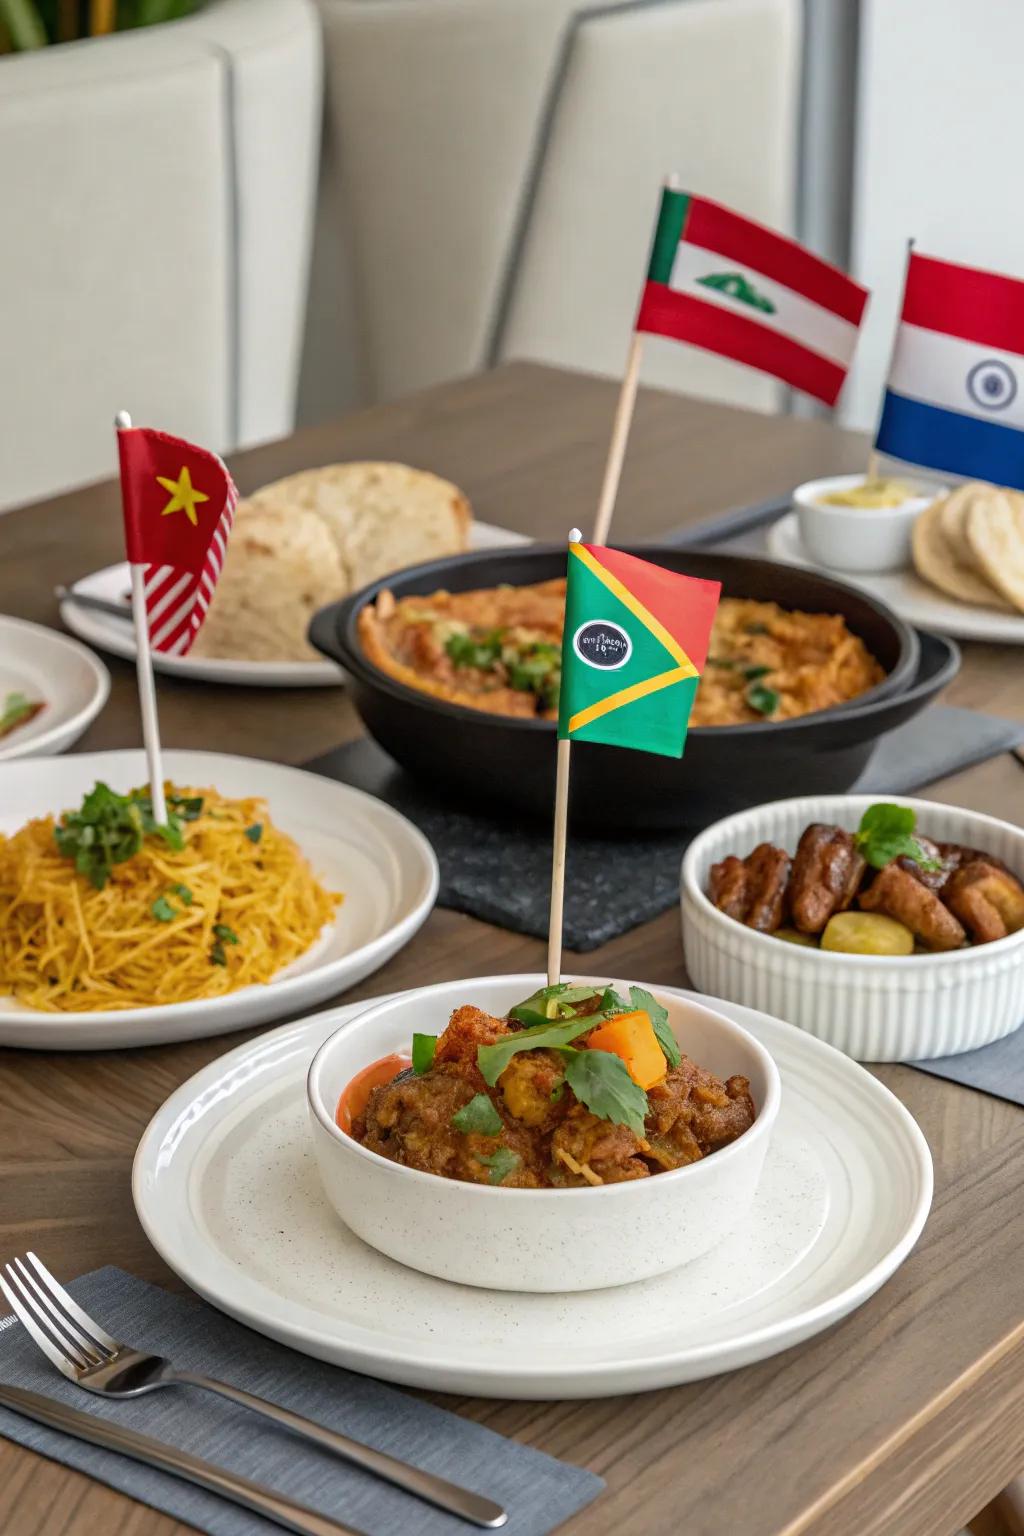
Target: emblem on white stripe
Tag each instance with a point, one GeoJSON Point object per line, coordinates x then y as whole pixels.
{"type": "Point", "coordinates": [992, 384]}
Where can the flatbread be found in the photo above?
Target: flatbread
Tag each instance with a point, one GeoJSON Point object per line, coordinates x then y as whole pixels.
{"type": "Point", "coordinates": [995, 532]}
{"type": "Point", "coordinates": [935, 563]}
{"type": "Point", "coordinates": [953, 522]}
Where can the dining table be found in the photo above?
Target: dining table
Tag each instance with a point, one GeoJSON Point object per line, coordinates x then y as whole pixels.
{"type": "Point", "coordinates": [903, 1420]}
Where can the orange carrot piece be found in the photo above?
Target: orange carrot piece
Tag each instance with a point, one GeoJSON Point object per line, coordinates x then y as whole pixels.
{"type": "Point", "coordinates": [631, 1036]}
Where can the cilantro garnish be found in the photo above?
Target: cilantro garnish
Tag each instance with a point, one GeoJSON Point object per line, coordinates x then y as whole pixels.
{"type": "Point", "coordinates": [225, 934]}
{"type": "Point", "coordinates": [183, 894]}
{"type": "Point", "coordinates": [602, 1082]}
{"type": "Point", "coordinates": [162, 910]}
{"type": "Point", "coordinates": [658, 1015]}
{"type": "Point", "coordinates": [885, 834]}
{"type": "Point", "coordinates": [493, 1059]}
{"type": "Point", "coordinates": [255, 832]}
{"type": "Point", "coordinates": [478, 1116]}
{"type": "Point", "coordinates": [483, 651]}
{"type": "Point", "coordinates": [753, 673]}
{"type": "Point", "coordinates": [217, 954]}
{"type": "Point", "coordinates": [109, 828]}
{"type": "Point", "coordinates": [423, 1048]}
{"type": "Point", "coordinates": [764, 700]}
{"type": "Point", "coordinates": [555, 1002]}
{"type": "Point", "coordinates": [501, 1163]}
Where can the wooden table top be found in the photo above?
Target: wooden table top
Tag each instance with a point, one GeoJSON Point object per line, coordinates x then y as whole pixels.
{"type": "Point", "coordinates": [906, 1418]}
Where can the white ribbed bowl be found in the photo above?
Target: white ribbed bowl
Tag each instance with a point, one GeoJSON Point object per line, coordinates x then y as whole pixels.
{"type": "Point", "coordinates": [873, 1007]}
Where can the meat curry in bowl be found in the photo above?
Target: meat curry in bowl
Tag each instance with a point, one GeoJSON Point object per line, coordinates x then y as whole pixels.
{"type": "Point", "coordinates": [498, 1132]}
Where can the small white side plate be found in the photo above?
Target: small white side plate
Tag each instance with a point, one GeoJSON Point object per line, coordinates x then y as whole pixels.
{"type": "Point", "coordinates": [117, 636]}
{"type": "Point", "coordinates": [43, 664]}
{"type": "Point", "coordinates": [906, 593]}
{"type": "Point", "coordinates": [356, 844]}
{"type": "Point", "coordinates": [226, 1187]}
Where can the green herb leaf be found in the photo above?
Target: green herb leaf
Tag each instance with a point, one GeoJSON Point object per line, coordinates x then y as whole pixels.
{"type": "Point", "coordinates": [658, 1015]}
{"type": "Point", "coordinates": [885, 834]}
{"type": "Point", "coordinates": [548, 1002]}
{"type": "Point", "coordinates": [109, 828]}
{"type": "Point", "coordinates": [255, 832]}
{"type": "Point", "coordinates": [723, 662]}
{"type": "Point", "coordinates": [501, 1163]}
{"type": "Point", "coordinates": [764, 700]}
{"type": "Point", "coordinates": [493, 1059]}
{"type": "Point", "coordinates": [602, 1082]}
{"type": "Point", "coordinates": [17, 709]}
{"type": "Point", "coordinates": [481, 651]}
{"type": "Point", "coordinates": [162, 910]}
{"type": "Point", "coordinates": [189, 808]}
{"type": "Point", "coordinates": [423, 1048]}
{"type": "Point", "coordinates": [753, 673]}
{"type": "Point", "coordinates": [557, 1093]}
{"type": "Point", "coordinates": [183, 894]}
{"type": "Point", "coordinates": [479, 1116]}
{"type": "Point", "coordinates": [223, 932]}
{"type": "Point", "coordinates": [217, 955]}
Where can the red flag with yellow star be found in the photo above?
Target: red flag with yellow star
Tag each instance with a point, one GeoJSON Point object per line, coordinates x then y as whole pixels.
{"type": "Point", "coordinates": [179, 504]}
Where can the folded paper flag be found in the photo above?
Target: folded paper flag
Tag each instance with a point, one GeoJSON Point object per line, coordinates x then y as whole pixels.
{"type": "Point", "coordinates": [725, 283]}
{"type": "Point", "coordinates": [954, 400]}
{"type": "Point", "coordinates": [635, 643]}
{"type": "Point", "coordinates": [179, 505]}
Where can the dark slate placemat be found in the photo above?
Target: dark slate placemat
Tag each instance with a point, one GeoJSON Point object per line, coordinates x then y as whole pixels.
{"type": "Point", "coordinates": [499, 869]}
{"type": "Point", "coordinates": [997, 1069]}
{"type": "Point", "coordinates": [538, 1491]}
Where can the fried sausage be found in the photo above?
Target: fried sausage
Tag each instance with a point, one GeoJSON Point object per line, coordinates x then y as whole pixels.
{"type": "Point", "coordinates": [895, 892]}
{"type": "Point", "coordinates": [827, 873]}
{"type": "Point", "coordinates": [752, 890]}
{"type": "Point", "coordinates": [988, 900]}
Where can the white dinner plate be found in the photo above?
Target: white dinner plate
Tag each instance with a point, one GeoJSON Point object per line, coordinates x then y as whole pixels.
{"type": "Point", "coordinates": [357, 845]}
{"type": "Point", "coordinates": [905, 592]}
{"type": "Point", "coordinates": [45, 665]}
{"type": "Point", "coordinates": [226, 1187]}
{"type": "Point", "coordinates": [116, 635]}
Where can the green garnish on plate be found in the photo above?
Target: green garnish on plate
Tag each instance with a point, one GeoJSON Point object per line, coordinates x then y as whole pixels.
{"type": "Point", "coordinates": [109, 829]}
{"type": "Point", "coordinates": [17, 709]}
{"type": "Point", "coordinates": [501, 1163]}
{"type": "Point", "coordinates": [423, 1048]}
{"type": "Point", "coordinates": [478, 1117]}
{"type": "Point", "coordinates": [162, 910]}
{"type": "Point", "coordinates": [886, 833]}
{"type": "Point", "coordinates": [764, 700]}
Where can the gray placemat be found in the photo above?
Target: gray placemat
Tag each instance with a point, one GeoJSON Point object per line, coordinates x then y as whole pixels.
{"type": "Point", "coordinates": [499, 869]}
{"type": "Point", "coordinates": [539, 1492]}
{"type": "Point", "coordinates": [997, 1069]}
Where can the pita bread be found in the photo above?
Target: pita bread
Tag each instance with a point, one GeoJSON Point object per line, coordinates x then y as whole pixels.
{"type": "Point", "coordinates": [936, 563]}
{"type": "Point", "coordinates": [316, 536]}
{"type": "Point", "coordinates": [953, 522]}
{"type": "Point", "coordinates": [995, 532]}
{"type": "Point", "coordinates": [281, 566]}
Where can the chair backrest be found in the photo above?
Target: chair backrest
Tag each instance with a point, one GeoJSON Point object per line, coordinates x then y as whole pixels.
{"type": "Point", "coordinates": [156, 189]}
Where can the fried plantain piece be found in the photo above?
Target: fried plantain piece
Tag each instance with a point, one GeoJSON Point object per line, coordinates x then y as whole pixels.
{"type": "Point", "coordinates": [827, 873]}
{"type": "Point", "coordinates": [896, 893]}
{"type": "Point", "coordinates": [752, 890]}
{"type": "Point", "coordinates": [987, 899]}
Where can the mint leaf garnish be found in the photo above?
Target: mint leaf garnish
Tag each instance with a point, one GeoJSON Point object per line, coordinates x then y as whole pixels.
{"type": "Point", "coordinates": [886, 833]}
{"type": "Point", "coordinates": [602, 1082]}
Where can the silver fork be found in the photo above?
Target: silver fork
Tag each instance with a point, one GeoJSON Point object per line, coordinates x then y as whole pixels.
{"type": "Point", "coordinates": [87, 1355]}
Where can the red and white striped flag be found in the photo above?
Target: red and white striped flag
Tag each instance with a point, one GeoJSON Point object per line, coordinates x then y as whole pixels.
{"type": "Point", "coordinates": [179, 505]}
{"type": "Point", "coordinates": [724, 283]}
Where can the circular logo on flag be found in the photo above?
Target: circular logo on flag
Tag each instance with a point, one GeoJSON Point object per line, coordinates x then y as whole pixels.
{"type": "Point", "coordinates": [992, 384]}
{"type": "Point", "coordinates": [602, 643]}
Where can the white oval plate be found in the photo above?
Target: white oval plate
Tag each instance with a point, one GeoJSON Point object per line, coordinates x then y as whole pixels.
{"type": "Point", "coordinates": [356, 844]}
{"type": "Point", "coordinates": [44, 664]}
{"type": "Point", "coordinates": [226, 1187]}
{"type": "Point", "coordinates": [905, 592]}
{"type": "Point", "coordinates": [116, 635]}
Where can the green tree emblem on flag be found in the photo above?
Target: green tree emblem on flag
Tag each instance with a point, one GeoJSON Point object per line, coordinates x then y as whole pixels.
{"type": "Point", "coordinates": [735, 286]}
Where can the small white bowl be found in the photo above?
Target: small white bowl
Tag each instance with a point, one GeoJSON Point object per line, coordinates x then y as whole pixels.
{"type": "Point", "coordinates": [873, 1007]}
{"type": "Point", "coordinates": [857, 538]}
{"type": "Point", "coordinates": [535, 1239]}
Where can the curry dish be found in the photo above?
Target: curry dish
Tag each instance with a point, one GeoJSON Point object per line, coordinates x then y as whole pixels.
{"type": "Point", "coordinates": [576, 1087]}
{"type": "Point", "coordinates": [882, 890]}
{"type": "Point", "coordinates": [499, 649]}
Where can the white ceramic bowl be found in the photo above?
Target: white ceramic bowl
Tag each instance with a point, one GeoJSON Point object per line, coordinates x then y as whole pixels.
{"type": "Point", "coordinates": [873, 1007]}
{"type": "Point", "coordinates": [534, 1239]}
{"type": "Point", "coordinates": [857, 538]}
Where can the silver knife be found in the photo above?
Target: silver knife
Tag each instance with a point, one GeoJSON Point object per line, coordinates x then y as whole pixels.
{"type": "Point", "coordinates": [156, 1453]}
{"type": "Point", "coordinates": [97, 604]}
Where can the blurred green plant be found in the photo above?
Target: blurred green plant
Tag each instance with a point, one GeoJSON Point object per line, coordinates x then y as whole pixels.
{"type": "Point", "coordinates": [27, 24]}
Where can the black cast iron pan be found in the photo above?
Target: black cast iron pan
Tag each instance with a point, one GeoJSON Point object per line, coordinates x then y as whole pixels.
{"type": "Point", "coordinates": [509, 764]}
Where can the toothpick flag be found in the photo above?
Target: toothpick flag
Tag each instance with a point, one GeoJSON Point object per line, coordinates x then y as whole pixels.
{"type": "Point", "coordinates": [722, 282]}
{"type": "Point", "coordinates": [954, 399]}
{"type": "Point", "coordinates": [635, 643]}
{"type": "Point", "coordinates": [179, 505]}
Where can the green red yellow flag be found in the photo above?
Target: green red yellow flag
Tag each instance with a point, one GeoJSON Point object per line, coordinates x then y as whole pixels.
{"type": "Point", "coordinates": [635, 643]}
